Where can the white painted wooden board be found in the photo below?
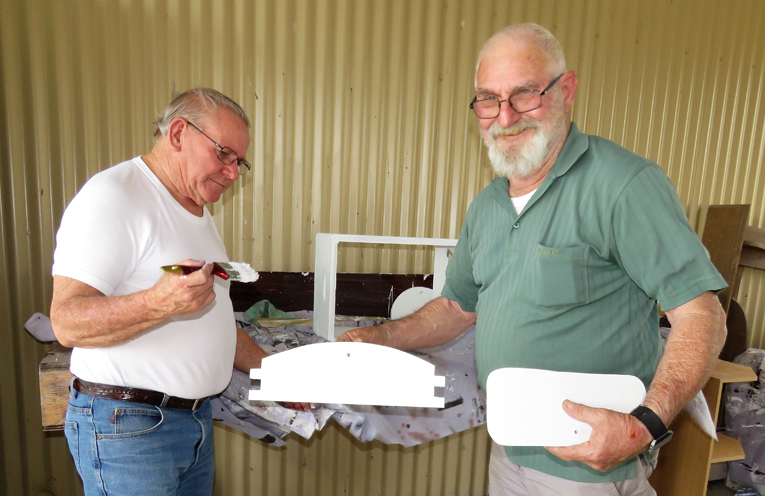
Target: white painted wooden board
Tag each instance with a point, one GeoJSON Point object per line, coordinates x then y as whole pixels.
{"type": "Point", "coordinates": [524, 407]}
{"type": "Point", "coordinates": [410, 301]}
{"type": "Point", "coordinates": [348, 373]}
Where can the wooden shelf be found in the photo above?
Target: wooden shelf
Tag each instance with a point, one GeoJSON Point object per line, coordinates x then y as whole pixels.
{"type": "Point", "coordinates": [733, 372]}
{"type": "Point", "coordinates": [726, 449]}
{"type": "Point", "coordinates": [683, 468]}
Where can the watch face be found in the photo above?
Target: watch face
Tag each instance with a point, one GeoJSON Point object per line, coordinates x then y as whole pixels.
{"type": "Point", "coordinates": [661, 441]}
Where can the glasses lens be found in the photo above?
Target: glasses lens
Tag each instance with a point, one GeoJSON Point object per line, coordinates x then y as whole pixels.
{"type": "Point", "coordinates": [227, 155]}
{"type": "Point", "coordinates": [526, 101]}
{"type": "Point", "coordinates": [486, 109]}
{"type": "Point", "coordinates": [244, 167]}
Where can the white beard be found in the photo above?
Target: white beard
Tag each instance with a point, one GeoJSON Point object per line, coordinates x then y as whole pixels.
{"type": "Point", "coordinates": [524, 161]}
{"type": "Point", "coordinates": [530, 157]}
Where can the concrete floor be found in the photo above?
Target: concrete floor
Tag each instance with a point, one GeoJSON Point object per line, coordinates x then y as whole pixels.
{"type": "Point", "coordinates": [718, 488]}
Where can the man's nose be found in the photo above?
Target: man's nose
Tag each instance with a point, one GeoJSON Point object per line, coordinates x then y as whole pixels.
{"type": "Point", "coordinates": [507, 116]}
{"type": "Point", "coordinates": [231, 171]}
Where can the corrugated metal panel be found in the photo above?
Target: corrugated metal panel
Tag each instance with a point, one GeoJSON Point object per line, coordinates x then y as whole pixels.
{"type": "Point", "coordinates": [333, 462]}
{"type": "Point", "coordinates": [360, 125]}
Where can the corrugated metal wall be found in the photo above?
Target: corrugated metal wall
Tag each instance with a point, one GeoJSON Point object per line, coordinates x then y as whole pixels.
{"type": "Point", "coordinates": [333, 463]}
{"type": "Point", "coordinates": [360, 125]}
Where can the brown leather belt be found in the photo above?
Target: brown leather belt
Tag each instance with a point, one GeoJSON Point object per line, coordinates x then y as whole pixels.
{"type": "Point", "coordinates": [134, 394]}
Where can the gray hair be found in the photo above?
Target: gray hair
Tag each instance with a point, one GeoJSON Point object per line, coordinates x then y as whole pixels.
{"type": "Point", "coordinates": [196, 105]}
{"type": "Point", "coordinates": [534, 35]}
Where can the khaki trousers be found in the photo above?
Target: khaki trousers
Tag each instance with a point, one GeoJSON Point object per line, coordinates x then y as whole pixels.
{"type": "Point", "coordinates": [508, 479]}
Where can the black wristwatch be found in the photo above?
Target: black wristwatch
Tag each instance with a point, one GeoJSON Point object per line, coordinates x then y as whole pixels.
{"type": "Point", "coordinates": [652, 422]}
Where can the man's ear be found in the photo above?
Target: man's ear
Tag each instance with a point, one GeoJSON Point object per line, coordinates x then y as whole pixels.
{"type": "Point", "coordinates": [569, 84]}
{"type": "Point", "coordinates": [175, 133]}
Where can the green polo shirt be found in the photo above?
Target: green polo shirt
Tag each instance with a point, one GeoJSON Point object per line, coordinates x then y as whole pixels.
{"type": "Point", "coordinates": [572, 283]}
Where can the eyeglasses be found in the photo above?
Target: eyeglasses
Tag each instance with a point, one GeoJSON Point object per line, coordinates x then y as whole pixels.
{"type": "Point", "coordinates": [226, 155]}
{"type": "Point", "coordinates": [520, 101]}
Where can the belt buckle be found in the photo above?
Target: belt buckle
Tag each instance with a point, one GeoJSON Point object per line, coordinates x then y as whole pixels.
{"type": "Point", "coordinates": [197, 403]}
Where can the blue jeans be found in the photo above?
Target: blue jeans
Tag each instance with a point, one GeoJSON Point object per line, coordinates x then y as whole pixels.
{"type": "Point", "coordinates": [134, 449]}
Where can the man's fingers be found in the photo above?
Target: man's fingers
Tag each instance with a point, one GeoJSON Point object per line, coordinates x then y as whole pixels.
{"type": "Point", "coordinates": [200, 277]}
{"type": "Point", "coordinates": [351, 336]}
{"type": "Point", "coordinates": [187, 293]}
{"type": "Point", "coordinates": [372, 335]}
{"type": "Point", "coordinates": [190, 262]}
{"type": "Point", "coordinates": [300, 407]}
{"type": "Point", "coordinates": [615, 437]}
{"type": "Point", "coordinates": [576, 410]}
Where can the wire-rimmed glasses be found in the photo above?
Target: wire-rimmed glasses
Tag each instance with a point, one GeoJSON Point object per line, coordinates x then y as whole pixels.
{"type": "Point", "coordinates": [226, 155]}
{"type": "Point", "coordinates": [521, 101]}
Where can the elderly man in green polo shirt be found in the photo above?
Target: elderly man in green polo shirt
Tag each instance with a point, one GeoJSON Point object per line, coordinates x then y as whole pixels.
{"type": "Point", "coordinates": [561, 264]}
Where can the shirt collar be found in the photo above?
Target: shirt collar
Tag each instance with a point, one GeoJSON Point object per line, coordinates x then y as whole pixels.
{"type": "Point", "coordinates": [574, 147]}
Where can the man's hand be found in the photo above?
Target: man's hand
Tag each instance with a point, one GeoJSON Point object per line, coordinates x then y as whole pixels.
{"type": "Point", "coordinates": [184, 294]}
{"type": "Point", "coordinates": [249, 355]}
{"type": "Point", "coordinates": [374, 335]}
{"type": "Point", "coordinates": [615, 437]}
{"type": "Point", "coordinates": [300, 407]}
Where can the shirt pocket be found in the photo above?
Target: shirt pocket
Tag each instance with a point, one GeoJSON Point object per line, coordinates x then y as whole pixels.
{"type": "Point", "coordinates": [559, 276]}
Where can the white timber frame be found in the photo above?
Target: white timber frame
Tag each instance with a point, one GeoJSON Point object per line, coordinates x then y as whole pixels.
{"type": "Point", "coordinates": [325, 275]}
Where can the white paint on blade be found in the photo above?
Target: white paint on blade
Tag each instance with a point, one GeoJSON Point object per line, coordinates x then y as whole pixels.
{"type": "Point", "coordinates": [242, 272]}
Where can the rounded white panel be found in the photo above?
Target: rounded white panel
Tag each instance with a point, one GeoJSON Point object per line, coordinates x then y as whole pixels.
{"type": "Point", "coordinates": [410, 301]}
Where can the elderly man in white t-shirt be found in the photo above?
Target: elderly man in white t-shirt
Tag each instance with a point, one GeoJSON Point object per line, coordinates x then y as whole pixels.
{"type": "Point", "coordinates": [151, 347]}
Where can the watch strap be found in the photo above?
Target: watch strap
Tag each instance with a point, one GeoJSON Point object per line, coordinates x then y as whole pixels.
{"type": "Point", "coordinates": [651, 421]}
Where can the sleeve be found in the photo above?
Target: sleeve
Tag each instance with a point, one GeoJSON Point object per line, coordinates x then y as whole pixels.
{"type": "Point", "coordinates": [460, 285]}
{"type": "Point", "coordinates": [656, 246]}
{"type": "Point", "coordinates": [96, 243]}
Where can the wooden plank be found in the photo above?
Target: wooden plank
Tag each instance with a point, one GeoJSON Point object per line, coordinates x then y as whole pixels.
{"type": "Point", "coordinates": [357, 294]}
{"type": "Point", "coordinates": [754, 237]}
{"type": "Point", "coordinates": [735, 341]}
{"type": "Point", "coordinates": [752, 253]}
{"type": "Point", "coordinates": [723, 237]}
{"type": "Point", "coordinates": [288, 291]}
{"type": "Point", "coordinates": [752, 256]}
{"type": "Point", "coordinates": [733, 372]}
{"type": "Point", "coordinates": [54, 377]}
{"type": "Point", "coordinates": [727, 449]}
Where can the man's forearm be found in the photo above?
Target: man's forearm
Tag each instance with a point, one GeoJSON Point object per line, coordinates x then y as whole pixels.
{"type": "Point", "coordinates": [248, 353]}
{"type": "Point", "coordinates": [100, 321]}
{"type": "Point", "coordinates": [438, 322]}
{"type": "Point", "coordinates": [697, 336]}
{"type": "Point", "coordinates": [82, 316]}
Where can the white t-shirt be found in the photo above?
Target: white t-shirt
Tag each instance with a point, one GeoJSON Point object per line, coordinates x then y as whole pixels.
{"type": "Point", "coordinates": [115, 235]}
{"type": "Point", "coordinates": [519, 202]}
